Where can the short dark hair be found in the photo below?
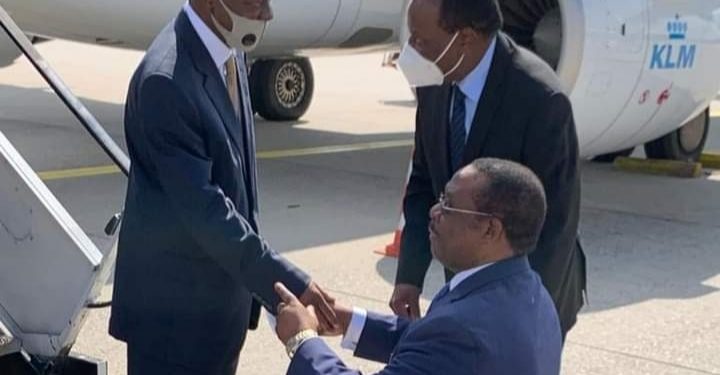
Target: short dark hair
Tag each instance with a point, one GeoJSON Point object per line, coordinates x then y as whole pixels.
{"type": "Point", "coordinates": [483, 16]}
{"type": "Point", "coordinates": [516, 195]}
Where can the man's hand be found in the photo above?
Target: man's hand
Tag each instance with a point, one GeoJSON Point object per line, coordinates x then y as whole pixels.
{"type": "Point", "coordinates": [323, 303]}
{"type": "Point", "coordinates": [405, 301]}
{"type": "Point", "coordinates": [293, 317]}
{"type": "Point", "coordinates": [344, 316]}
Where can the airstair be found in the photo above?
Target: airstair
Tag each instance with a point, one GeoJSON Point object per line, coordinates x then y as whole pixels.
{"type": "Point", "coordinates": [50, 271]}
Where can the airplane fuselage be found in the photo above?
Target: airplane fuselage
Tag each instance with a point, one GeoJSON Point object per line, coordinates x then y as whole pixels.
{"type": "Point", "coordinates": [297, 25]}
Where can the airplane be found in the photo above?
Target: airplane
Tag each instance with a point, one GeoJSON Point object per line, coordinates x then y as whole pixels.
{"type": "Point", "coordinates": [638, 72]}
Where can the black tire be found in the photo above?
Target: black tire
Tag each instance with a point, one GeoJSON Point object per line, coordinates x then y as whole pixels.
{"type": "Point", "coordinates": [684, 144]}
{"type": "Point", "coordinates": [609, 158]}
{"type": "Point", "coordinates": [282, 90]}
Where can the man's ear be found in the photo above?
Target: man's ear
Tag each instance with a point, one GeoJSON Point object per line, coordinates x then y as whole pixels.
{"type": "Point", "coordinates": [468, 37]}
{"type": "Point", "coordinates": [494, 230]}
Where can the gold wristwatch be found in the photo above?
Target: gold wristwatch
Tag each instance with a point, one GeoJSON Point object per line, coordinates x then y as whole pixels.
{"type": "Point", "coordinates": [294, 343]}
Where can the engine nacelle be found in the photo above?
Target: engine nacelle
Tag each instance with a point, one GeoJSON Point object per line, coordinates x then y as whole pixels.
{"type": "Point", "coordinates": [634, 69]}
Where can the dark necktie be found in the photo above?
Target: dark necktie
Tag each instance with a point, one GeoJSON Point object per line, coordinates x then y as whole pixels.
{"type": "Point", "coordinates": [458, 133]}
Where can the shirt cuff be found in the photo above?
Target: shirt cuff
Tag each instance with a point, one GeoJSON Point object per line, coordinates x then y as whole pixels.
{"type": "Point", "coordinates": [354, 331]}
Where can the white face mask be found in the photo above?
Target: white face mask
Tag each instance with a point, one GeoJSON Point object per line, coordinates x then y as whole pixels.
{"type": "Point", "coordinates": [245, 34]}
{"type": "Point", "coordinates": [420, 71]}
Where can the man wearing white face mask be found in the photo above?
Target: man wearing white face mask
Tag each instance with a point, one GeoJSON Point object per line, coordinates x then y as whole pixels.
{"type": "Point", "coordinates": [481, 95]}
{"type": "Point", "coordinates": [192, 268]}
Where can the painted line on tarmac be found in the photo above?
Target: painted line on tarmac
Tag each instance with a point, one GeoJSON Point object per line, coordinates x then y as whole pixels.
{"type": "Point", "coordinates": [64, 174]}
{"type": "Point", "coordinates": [335, 149]}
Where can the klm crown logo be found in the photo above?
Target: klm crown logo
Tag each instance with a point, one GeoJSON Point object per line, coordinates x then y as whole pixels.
{"type": "Point", "coordinates": [677, 29]}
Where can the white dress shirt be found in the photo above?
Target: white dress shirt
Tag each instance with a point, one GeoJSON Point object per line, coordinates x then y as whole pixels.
{"type": "Point", "coordinates": [219, 51]}
{"type": "Point", "coordinates": [473, 85]}
{"type": "Point", "coordinates": [359, 316]}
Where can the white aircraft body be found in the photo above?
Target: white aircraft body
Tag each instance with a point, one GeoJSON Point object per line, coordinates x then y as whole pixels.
{"type": "Point", "coordinates": [637, 71]}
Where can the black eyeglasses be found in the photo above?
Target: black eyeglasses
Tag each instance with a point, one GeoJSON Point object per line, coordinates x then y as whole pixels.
{"type": "Point", "coordinates": [446, 209]}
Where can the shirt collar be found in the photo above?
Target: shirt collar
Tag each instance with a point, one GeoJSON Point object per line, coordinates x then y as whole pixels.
{"type": "Point", "coordinates": [474, 83]}
{"type": "Point", "coordinates": [462, 276]}
{"type": "Point", "coordinates": [219, 51]}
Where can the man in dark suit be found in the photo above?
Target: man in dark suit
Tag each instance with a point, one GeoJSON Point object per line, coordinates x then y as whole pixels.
{"type": "Point", "coordinates": [493, 317]}
{"type": "Point", "coordinates": [191, 265]}
{"type": "Point", "coordinates": [481, 95]}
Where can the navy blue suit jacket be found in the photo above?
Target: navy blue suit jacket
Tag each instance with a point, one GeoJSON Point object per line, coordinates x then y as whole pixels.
{"type": "Point", "coordinates": [499, 321]}
{"type": "Point", "coordinates": [190, 259]}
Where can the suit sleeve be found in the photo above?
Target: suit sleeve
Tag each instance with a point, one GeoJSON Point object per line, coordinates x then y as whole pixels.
{"type": "Point", "coordinates": [380, 337]}
{"type": "Point", "coordinates": [439, 347]}
{"type": "Point", "coordinates": [415, 255]}
{"type": "Point", "coordinates": [176, 148]}
{"type": "Point", "coordinates": [551, 151]}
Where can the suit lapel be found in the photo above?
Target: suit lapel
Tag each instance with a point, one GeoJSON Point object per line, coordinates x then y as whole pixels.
{"type": "Point", "coordinates": [438, 299]}
{"type": "Point", "coordinates": [213, 84]}
{"type": "Point", "coordinates": [489, 101]}
{"type": "Point", "coordinates": [248, 127]}
{"type": "Point", "coordinates": [439, 102]}
{"type": "Point", "coordinates": [216, 90]}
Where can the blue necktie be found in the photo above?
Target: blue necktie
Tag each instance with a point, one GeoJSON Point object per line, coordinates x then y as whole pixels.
{"type": "Point", "coordinates": [458, 133]}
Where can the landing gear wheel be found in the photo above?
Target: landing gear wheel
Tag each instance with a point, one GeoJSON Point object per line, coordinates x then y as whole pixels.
{"type": "Point", "coordinates": [282, 90]}
{"type": "Point", "coordinates": [685, 144]}
{"type": "Point", "coordinates": [609, 158]}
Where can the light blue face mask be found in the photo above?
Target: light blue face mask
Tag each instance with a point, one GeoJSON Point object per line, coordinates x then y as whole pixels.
{"type": "Point", "coordinates": [245, 34]}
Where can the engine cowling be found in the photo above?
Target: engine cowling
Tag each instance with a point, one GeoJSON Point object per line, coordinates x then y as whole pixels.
{"type": "Point", "coordinates": [634, 69]}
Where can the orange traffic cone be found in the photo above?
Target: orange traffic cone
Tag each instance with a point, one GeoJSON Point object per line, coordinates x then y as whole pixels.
{"type": "Point", "coordinates": [393, 249]}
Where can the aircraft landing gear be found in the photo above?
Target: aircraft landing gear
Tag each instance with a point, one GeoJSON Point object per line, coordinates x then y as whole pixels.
{"type": "Point", "coordinates": [282, 90]}
{"type": "Point", "coordinates": [685, 144]}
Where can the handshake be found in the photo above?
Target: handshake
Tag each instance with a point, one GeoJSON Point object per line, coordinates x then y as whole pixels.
{"type": "Point", "coordinates": [315, 312]}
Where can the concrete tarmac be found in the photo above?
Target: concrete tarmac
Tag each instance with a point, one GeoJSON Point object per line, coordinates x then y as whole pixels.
{"type": "Point", "coordinates": [651, 242]}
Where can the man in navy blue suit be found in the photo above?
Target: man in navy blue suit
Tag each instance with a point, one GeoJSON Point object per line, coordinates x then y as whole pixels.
{"type": "Point", "coordinates": [493, 317]}
{"type": "Point", "coordinates": [193, 268]}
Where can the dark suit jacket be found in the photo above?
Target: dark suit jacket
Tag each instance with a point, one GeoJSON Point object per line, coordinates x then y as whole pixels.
{"type": "Point", "coordinates": [499, 321]}
{"type": "Point", "coordinates": [190, 259]}
{"type": "Point", "coordinates": [522, 116]}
